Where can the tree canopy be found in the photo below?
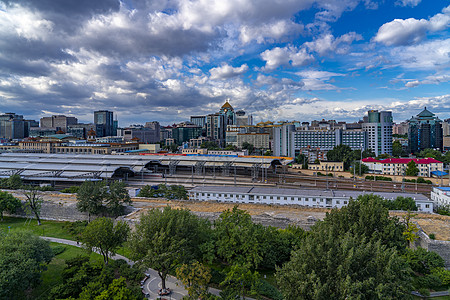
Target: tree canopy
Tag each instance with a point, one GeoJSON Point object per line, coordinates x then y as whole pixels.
{"type": "Point", "coordinates": [412, 169]}
{"type": "Point", "coordinates": [115, 198]}
{"type": "Point", "coordinates": [8, 203]}
{"type": "Point", "coordinates": [105, 236]}
{"type": "Point", "coordinates": [22, 258]}
{"type": "Point", "coordinates": [90, 197]}
{"type": "Point", "coordinates": [95, 198]}
{"type": "Point", "coordinates": [165, 238]}
{"type": "Point", "coordinates": [34, 203]}
{"type": "Point", "coordinates": [236, 238]}
{"type": "Point", "coordinates": [352, 254]}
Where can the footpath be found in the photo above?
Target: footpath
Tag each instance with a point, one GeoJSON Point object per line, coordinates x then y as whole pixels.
{"type": "Point", "coordinates": [151, 285]}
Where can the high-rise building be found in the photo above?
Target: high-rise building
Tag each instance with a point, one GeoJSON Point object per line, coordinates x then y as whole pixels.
{"type": "Point", "coordinates": [379, 129]}
{"type": "Point", "coordinates": [185, 133]}
{"type": "Point", "coordinates": [228, 114]}
{"type": "Point", "coordinates": [148, 134]}
{"type": "Point", "coordinates": [282, 139]}
{"type": "Point", "coordinates": [199, 120]}
{"type": "Point", "coordinates": [425, 131]}
{"type": "Point", "coordinates": [12, 126]}
{"type": "Point", "coordinates": [59, 122]}
{"type": "Point", "coordinates": [242, 119]}
{"type": "Point", "coordinates": [104, 123]}
{"type": "Point", "coordinates": [215, 127]}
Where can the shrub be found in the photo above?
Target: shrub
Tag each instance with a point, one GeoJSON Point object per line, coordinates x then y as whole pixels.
{"type": "Point", "coordinates": [422, 261]}
{"type": "Point", "coordinates": [430, 281]}
{"type": "Point", "coordinates": [443, 274]}
{"type": "Point", "coordinates": [71, 190]}
{"type": "Point", "coordinates": [424, 292]}
{"type": "Point", "coordinates": [268, 290]}
{"type": "Point", "coordinates": [432, 236]}
{"type": "Point", "coordinates": [330, 174]}
{"type": "Point", "coordinates": [58, 249]}
{"type": "Point", "coordinates": [443, 210]}
{"type": "Point", "coordinates": [320, 174]}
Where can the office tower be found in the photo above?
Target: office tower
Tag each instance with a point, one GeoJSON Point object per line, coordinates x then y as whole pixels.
{"type": "Point", "coordinates": [12, 126]}
{"type": "Point", "coordinates": [104, 123]}
{"type": "Point", "coordinates": [425, 131]}
{"type": "Point", "coordinates": [59, 122]}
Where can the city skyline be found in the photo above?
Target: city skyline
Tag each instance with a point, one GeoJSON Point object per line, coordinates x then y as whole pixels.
{"type": "Point", "coordinates": [166, 61]}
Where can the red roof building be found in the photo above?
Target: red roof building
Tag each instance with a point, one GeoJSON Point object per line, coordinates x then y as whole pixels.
{"type": "Point", "coordinates": [397, 166]}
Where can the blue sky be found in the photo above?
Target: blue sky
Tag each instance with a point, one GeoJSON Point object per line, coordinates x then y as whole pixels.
{"type": "Point", "coordinates": [278, 60]}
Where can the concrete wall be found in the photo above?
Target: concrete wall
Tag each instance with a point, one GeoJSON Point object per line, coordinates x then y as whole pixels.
{"type": "Point", "coordinates": [61, 211]}
{"type": "Point", "coordinates": [440, 247]}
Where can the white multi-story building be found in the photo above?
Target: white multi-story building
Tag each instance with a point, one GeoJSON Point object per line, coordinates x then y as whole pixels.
{"type": "Point", "coordinates": [441, 196]}
{"type": "Point", "coordinates": [398, 166]}
{"type": "Point", "coordinates": [303, 197]}
{"type": "Point", "coordinates": [379, 128]}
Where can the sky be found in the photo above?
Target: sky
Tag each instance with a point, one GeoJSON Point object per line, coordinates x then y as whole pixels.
{"type": "Point", "coordinates": [278, 60]}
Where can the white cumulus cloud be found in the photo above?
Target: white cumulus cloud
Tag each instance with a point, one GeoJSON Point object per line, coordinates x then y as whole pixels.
{"type": "Point", "coordinates": [410, 31]}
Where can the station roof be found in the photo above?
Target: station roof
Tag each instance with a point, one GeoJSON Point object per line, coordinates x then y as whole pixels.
{"type": "Point", "coordinates": [40, 165]}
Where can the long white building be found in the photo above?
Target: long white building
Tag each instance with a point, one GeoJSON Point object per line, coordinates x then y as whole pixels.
{"type": "Point", "coordinates": [441, 196]}
{"type": "Point", "coordinates": [302, 197]}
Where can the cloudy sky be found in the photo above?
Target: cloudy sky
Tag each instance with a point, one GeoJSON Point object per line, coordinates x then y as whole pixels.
{"type": "Point", "coordinates": [277, 59]}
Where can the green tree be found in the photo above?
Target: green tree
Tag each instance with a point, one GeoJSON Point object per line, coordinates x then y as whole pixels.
{"type": "Point", "coordinates": [210, 145]}
{"type": "Point", "coordinates": [237, 238]}
{"type": "Point", "coordinates": [34, 202]}
{"type": "Point", "coordinates": [368, 153]}
{"type": "Point", "coordinates": [411, 229]}
{"type": "Point", "coordinates": [268, 153]}
{"type": "Point", "coordinates": [90, 197]}
{"type": "Point", "coordinates": [383, 156]}
{"type": "Point", "coordinates": [339, 153]}
{"type": "Point", "coordinates": [195, 277]}
{"type": "Point", "coordinates": [116, 197]}
{"type": "Point", "coordinates": [346, 267]}
{"type": "Point", "coordinates": [22, 259]}
{"type": "Point", "coordinates": [165, 238]}
{"type": "Point", "coordinates": [8, 203]}
{"type": "Point", "coordinates": [105, 236]}
{"type": "Point", "coordinates": [367, 216]}
{"type": "Point", "coordinates": [422, 261]}
{"type": "Point", "coordinates": [411, 169]}
{"type": "Point", "coordinates": [239, 282]}
{"type": "Point", "coordinates": [402, 203]}
{"type": "Point", "coordinates": [397, 149]}
{"type": "Point", "coordinates": [356, 168]}
{"type": "Point", "coordinates": [303, 160]}
{"type": "Point", "coordinates": [14, 182]}
{"type": "Point", "coordinates": [436, 154]}
{"type": "Point", "coordinates": [230, 147]}
{"type": "Point", "coordinates": [117, 290]}
{"type": "Point", "coordinates": [249, 147]}
{"type": "Point", "coordinates": [343, 153]}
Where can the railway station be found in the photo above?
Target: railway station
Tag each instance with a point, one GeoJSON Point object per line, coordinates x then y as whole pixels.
{"type": "Point", "coordinates": [60, 168]}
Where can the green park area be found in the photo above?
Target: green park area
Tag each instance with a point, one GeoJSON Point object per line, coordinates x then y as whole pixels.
{"type": "Point", "coordinates": [357, 250]}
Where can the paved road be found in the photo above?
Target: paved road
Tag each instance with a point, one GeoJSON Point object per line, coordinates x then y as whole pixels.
{"type": "Point", "coordinates": [151, 285]}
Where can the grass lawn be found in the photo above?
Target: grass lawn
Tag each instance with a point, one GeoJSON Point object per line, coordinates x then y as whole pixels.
{"type": "Point", "coordinates": [52, 276]}
{"type": "Point", "coordinates": [48, 228]}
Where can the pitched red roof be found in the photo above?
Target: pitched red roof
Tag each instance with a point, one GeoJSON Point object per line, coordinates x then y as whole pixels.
{"type": "Point", "coordinates": [418, 161]}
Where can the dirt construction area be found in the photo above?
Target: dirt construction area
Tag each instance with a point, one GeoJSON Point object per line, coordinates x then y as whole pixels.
{"type": "Point", "coordinates": [279, 216]}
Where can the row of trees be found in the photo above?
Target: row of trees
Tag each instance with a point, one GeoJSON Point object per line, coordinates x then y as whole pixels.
{"type": "Point", "coordinates": [175, 241]}
{"type": "Point", "coordinates": [356, 252]}
{"type": "Point", "coordinates": [170, 192]}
